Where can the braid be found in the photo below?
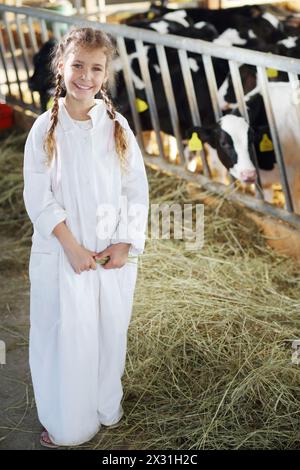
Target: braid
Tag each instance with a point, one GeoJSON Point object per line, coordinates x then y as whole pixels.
{"type": "Point", "coordinates": [110, 107]}
{"type": "Point", "coordinates": [121, 139]}
{"type": "Point", "coordinates": [49, 144]}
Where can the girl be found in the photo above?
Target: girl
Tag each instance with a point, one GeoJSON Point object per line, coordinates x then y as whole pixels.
{"type": "Point", "coordinates": [82, 165]}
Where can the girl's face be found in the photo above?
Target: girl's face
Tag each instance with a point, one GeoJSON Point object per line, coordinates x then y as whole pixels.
{"type": "Point", "coordinates": [84, 72]}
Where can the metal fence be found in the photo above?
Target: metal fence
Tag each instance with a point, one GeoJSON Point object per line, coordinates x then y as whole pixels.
{"type": "Point", "coordinates": [16, 57]}
{"type": "Point", "coordinates": [87, 8]}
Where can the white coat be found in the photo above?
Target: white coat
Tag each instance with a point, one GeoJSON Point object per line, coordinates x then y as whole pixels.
{"type": "Point", "coordinates": [79, 322]}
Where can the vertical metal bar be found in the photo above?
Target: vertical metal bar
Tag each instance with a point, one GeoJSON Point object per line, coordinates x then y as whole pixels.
{"type": "Point", "coordinates": [191, 95]}
{"type": "Point", "coordinates": [294, 82]}
{"type": "Point", "coordinates": [3, 59]}
{"type": "Point", "coordinates": [32, 34]}
{"type": "Point", "coordinates": [33, 43]}
{"type": "Point", "coordinates": [212, 85]}
{"type": "Point", "coordinates": [239, 93]}
{"type": "Point", "coordinates": [130, 89]}
{"type": "Point", "coordinates": [77, 5]}
{"type": "Point", "coordinates": [12, 51]}
{"type": "Point", "coordinates": [165, 74]}
{"type": "Point", "coordinates": [238, 88]}
{"type": "Point", "coordinates": [149, 93]}
{"type": "Point", "coordinates": [56, 30]}
{"type": "Point", "coordinates": [189, 87]}
{"type": "Point", "coordinates": [102, 11]}
{"type": "Point", "coordinates": [263, 82]}
{"type": "Point", "coordinates": [22, 43]}
{"type": "Point", "coordinates": [44, 31]}
{"type": "Point", "coordinates": [23, 49]}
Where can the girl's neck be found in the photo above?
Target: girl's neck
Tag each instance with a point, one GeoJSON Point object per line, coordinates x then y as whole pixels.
{"type": "Point", "coordinates": [78, 110]}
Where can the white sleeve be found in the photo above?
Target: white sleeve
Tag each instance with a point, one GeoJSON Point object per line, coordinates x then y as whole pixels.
{"type": "Point", "coordinates": [42, 207]}
{"type": "Point", "coordinates": [132, 225]}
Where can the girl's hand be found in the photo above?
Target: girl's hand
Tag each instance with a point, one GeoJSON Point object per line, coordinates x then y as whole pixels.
{"type": "Point", "coordinates": [118, 254]}
{"type": "Point", "coordinates": [81, 258]}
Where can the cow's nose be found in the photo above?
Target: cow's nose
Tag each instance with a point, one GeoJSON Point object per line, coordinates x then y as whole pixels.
{"type": "Point", "coordinates": [248, 175]}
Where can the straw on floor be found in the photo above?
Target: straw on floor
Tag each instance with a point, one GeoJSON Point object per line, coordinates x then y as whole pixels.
{"type": "Point", "coordinates": [209, 362]}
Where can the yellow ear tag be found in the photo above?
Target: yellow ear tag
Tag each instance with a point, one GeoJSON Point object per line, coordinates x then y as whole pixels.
{"type": "Point", "coordinates": [272, 73]}
{"type": "Point", "coordinates": [266, 144]}
{"type": "Point", "coordinates": [150, 15]}
{"type": "Point", "coordinates": [195, 143]}
{"type": "Point", "coordinates": [141, 105]}
{"type": "Point", "coordinates": [50, 103]}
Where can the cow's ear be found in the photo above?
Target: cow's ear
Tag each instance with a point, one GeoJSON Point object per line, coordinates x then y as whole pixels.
{"type": "Point", "coordinates": [208, 134]}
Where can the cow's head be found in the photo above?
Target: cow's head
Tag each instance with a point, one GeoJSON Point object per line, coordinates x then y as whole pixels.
{"type": "Point", "coordinates": [232, 138]}
{"type": "Point", "coordinates": [43, 78]}
{"type": "Point", "coordinates": [226, 94]}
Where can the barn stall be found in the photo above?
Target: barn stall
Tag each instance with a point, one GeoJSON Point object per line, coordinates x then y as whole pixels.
{"type": "Point", "coordinates": [217, 367]}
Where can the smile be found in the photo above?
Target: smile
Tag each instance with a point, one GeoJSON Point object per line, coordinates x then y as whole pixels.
{"type": "Point", "coordinates": [80, 87]}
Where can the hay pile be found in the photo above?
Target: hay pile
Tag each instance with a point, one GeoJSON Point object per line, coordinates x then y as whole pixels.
{"type": "Point", "coordinates": [209, 346]}
{"type": "Point", "coordinates": [15, 226]}
{"type": "Point", "coordinates": [209, 360]}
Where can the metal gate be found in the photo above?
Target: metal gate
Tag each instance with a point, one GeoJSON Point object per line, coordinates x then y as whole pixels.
{"type": "Point", "coordinates": [37, 24]}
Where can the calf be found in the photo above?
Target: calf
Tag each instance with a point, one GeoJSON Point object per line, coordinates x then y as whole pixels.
{"type": "Point", "coordinates": [235, 126]}
{"type": "Point", "coordinates": [285, 107]}
{"type": "Point", "coordinates": [42, 79]}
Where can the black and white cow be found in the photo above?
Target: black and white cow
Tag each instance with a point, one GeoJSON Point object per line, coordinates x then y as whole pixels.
{"type": "Point", "coordinates": [179, 23]}
{"type": "Point", "coordinates": [234, 124]}
{"type": "Point", "coordinates": [230, 138]}
{"type": "Point", "coordinates": [249, 21]}
{"type": "Point", "coordinates": [42, 80]}
{"type": "Point", "coordinates": [217, 17]}
{"type": "Point", "coordinates": [285, 102]}
{"type": "Point", "coordinates": [229, 141]}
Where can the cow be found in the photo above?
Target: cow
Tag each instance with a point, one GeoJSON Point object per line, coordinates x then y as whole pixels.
{"type": "Point", "coordinates": [178, 22]}
{"type": "Point", "coordinates": [232, 129]}
{"type": "Point", "coordinates": [42, 80]}
{"type": "Point", "coordinates": [233, 124]}
{"type": "Point", "coordinates": [285, 106]}
{"type": "Point", "coordinates": [247, 19]}
{"type": "Point", "coordinates": [198, 14]}
{"type": "Point", "coordinates": [228, 141]}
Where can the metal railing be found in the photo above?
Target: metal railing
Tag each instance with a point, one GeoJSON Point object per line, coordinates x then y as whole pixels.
{"type": "Point", "coordinates": [16, 19]}
{"type": "Point", "coordinates": [97, 8]}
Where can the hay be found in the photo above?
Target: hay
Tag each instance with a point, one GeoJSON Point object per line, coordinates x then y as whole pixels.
{"type": "Point", "coordinates": [15, 226]}
{"type": "Point", "coordinates": [209, 348]}
{"type": "Point", "coordinates": [209, 345]}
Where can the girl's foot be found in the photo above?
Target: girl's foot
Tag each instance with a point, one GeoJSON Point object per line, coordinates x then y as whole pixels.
{"type": "Point", "coordinates": [115, 425]}
{"type": "Point", "coordinates": [46, 441]}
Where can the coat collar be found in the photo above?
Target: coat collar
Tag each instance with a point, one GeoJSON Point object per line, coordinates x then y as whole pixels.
{"type": "Point", "coordinates": [95, 113]}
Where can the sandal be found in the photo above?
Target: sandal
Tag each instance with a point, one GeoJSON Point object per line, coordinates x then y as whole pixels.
{"type": "Point", "coordinates": [115, 425]}
{"type": "Point", "coordinates": [46, 441]}
{"type": "Point", "coordinates": [109, 426]}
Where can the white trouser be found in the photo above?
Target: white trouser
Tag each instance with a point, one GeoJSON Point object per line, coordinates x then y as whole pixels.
{"type": "Point", "coordinates": [78, 342]}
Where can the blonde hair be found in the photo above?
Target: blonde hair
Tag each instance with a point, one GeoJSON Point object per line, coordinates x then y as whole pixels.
{"type": "Point", "coordinates": [87, 38]}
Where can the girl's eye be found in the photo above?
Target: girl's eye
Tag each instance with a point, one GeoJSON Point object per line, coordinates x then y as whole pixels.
{"type": "Point", "coordinates": [79, 65]}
